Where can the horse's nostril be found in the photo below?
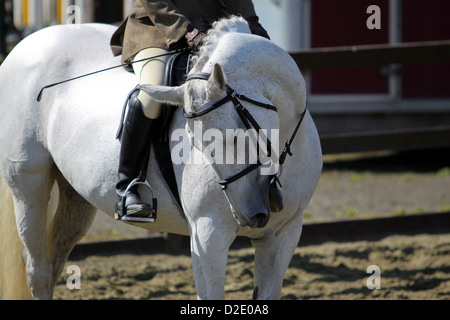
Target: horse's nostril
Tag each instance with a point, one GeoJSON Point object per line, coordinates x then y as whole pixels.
{"type": "Point", "coordinates": [260, 220]}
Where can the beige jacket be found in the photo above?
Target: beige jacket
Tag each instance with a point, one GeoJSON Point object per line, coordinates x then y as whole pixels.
{"type": "Point", "coordinates": [164, 23]}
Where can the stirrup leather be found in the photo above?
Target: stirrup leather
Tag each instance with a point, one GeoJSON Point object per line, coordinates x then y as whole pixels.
{"type": "Point", "coordinates": [123, 216]}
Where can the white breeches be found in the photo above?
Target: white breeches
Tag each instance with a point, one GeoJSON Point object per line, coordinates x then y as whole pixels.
{"type": "Point", "coordinates": [150, 72]}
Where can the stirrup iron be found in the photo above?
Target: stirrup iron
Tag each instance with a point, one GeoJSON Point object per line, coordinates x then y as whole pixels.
{"type": "Point", "coordinates": [124, 217]}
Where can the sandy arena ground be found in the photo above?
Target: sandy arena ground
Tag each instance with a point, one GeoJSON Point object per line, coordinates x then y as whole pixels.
{"type": "Point", "coordinates": [411, 267]}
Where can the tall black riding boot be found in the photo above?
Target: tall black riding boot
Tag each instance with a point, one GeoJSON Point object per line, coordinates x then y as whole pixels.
{"type": "Point", "coordinates": [136, 137]}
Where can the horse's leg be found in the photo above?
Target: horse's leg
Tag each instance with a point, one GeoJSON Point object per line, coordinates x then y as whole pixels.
{"type": "Point", "coordinates": [210, 242]}
{"type": "Point", "coordinates": [272, 256]}
{"type": "Point", "coordinates": [30, 186]}
{"type": "Point", "coordinates": [72, 220]}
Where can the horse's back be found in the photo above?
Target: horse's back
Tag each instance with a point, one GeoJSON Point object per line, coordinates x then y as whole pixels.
{"type": "Point", "coordinates": [48, 48]}
{"type": "Point", "coordinates": [70, 117]}
{"type": "Point", "coordinates": [47, 56]}
{"type": "Point", "coordinates": [61, 41]}
{"type": "Point", "coordinates": [50, 55]}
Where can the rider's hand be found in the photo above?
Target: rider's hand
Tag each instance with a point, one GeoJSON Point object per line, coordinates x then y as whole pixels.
{"type": "Point", "coordinates": [195, 39]}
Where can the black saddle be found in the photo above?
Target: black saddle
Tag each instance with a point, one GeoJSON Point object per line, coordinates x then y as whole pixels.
{"type": "Point", "coordinates": [177, 68]}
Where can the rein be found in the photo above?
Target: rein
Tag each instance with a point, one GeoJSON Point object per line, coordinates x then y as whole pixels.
{"type": "Point", "coordinates": [249, 121]}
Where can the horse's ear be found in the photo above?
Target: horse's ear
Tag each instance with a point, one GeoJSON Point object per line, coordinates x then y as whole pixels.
{"type": "Point", "coordinates": [164, 94]}
{"type": "Point", "coordinates": [217, 82]}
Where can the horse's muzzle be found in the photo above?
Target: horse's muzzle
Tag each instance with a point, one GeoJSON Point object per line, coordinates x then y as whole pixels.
{"type": "Point", "coordinates": [259, 220]}
{"type": "Point", "coordinates": [255, 221]}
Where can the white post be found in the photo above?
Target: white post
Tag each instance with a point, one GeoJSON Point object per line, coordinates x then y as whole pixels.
{"type": "Point", "coordinates": [62, 14]}
{"type": "Point", "coordinates": [66, 15]}
{"type": "Point", "coordinates": [18, 14]}
{"type": "Point", "coordinates": [49, 15]}
{"type": "Point", "coordinates": [36, 12]}
{"type": "Point", "coordinates": [86, 9]}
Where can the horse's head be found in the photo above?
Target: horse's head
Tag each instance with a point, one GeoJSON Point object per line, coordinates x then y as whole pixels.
{"type": "Point", "coordinates": [236, 137]}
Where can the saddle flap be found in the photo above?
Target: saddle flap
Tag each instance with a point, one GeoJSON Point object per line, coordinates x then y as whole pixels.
{"type": "Point", "coordinates": [176, 70]}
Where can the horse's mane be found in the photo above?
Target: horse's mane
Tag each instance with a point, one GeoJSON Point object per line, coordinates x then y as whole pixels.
{"type": "Point", "coordinates": [233, 24]}
{"type": "Point", "coordinates": [219, 28]}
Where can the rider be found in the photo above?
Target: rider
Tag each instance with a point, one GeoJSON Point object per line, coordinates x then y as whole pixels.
{"type": "Point", "coordinates": [152, 28]}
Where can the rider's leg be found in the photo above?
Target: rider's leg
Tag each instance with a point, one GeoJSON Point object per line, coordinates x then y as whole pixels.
{"type": "Point", "coordinates": [150, 72]}
{"type": "Point", "coordinates": [142, 112]}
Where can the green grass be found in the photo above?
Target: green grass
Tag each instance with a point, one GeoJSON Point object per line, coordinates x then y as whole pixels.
{"type": "Point", "coordinates": [400, 212]}
{"type": "Point", "coordinates": [358, 177]}
{"type": "Point", "coordinates": [444, 172]}
{"type": "Point", "coordinates": [307, 214]}
{"type": "Point", "coordinates": [419, 210]}
{"type": "Point", "coordinates": [351, 213]}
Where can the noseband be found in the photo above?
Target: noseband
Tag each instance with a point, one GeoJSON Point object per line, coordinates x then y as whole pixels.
{"type": "Point", "coordinates": [249, 122]}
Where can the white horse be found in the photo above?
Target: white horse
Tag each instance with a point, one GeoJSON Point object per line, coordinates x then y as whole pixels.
{"type": "Point", "coordinates": [68, 140]}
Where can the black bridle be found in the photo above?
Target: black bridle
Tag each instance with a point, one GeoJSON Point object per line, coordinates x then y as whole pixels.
{"type": "Point", "coordinates": [249, 122]}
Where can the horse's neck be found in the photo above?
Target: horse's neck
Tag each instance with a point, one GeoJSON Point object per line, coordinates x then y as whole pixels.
{"type": "Point", "coordinates": [263, 71]}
